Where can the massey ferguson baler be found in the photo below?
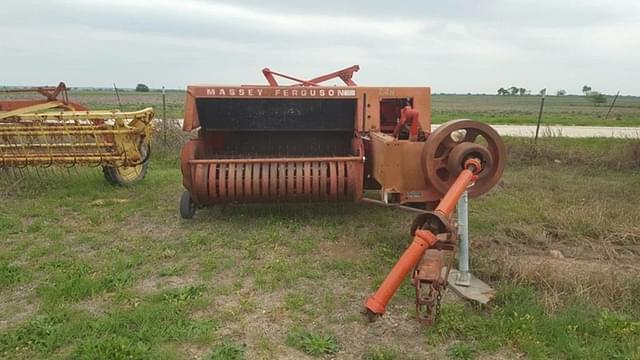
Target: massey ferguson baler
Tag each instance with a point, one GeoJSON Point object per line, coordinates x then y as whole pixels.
{"type": "Point", "coordinates": [306, 142]}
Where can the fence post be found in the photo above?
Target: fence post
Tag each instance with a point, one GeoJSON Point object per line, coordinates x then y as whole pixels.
{"type": "Point", "coordinates": [612, 104]}
{"type": "Point", "coordinates": [117, 96]}
{"type": "Point", "coordinates": [164, 117]}
{"type": "Point", "coordinates": [539, 116]}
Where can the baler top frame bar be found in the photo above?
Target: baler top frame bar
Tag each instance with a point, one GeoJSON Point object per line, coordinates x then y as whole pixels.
{"type": "Point", "coordinates": [345, 75]}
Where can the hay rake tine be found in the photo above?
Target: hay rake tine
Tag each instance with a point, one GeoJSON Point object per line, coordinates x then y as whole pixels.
{"type": "Point", "coordinates": [50, 152]}
{"type": "Point", "coordinates": [73, 148]}
{"type": "Point", "coordinates": [26, 161]}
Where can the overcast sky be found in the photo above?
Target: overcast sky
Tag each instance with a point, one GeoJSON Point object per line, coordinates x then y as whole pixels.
{"type": "Point", "coordinates": [452, 46]}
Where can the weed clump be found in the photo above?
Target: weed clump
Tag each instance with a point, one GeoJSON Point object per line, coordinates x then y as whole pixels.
{"type": "Point", "coordinates": [313, 343]}
{"type": "Point", "coordinates": [227, 351]}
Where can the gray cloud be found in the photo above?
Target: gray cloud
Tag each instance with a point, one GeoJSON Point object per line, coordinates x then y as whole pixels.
{"type": "Point", "coordinates": [454, 46]}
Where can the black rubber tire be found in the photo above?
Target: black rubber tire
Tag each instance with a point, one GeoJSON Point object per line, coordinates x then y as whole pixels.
{"type": "Point", "coordinates": [112, 175]}
{"type": "Point", "coordinates": [187, 206]}
{"type": "Point", "coordinates": [125, 176]}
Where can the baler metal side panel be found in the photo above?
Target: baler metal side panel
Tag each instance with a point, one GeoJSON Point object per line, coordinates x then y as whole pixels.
{"type": "Point", "coordinates": [396, 167]}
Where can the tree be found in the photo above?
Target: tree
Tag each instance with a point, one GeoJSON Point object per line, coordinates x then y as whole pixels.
{"type": "Point", "coordinates": [586, 89]}
{"type": "Point", "coordinates": [543, 92]}
{"type": "Point", "coordinates": [502, 91]}
{"type": "Point", "coordinates": [514, 90]}
{"type": "Point", "coordinates": [142, 88]}
{"type": "Point", "coordinates": [561, 92]}
{"type": "Point", "coordinates": [522, 91]}
{"type": "Point", "coordinates": [596, 98]}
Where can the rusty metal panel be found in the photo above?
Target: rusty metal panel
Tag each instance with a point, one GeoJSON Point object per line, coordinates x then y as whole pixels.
{"type": "Point", "coordinates": [333, 179]}
{"type": "Point", "coordinates": [394, 167]}
{"type": "Point", "coordinates": [231, 181]}
{"type": "Point", "coordinates": [252, 180]}
{"type": "Point", "coordinates": [299, 179]}
{"type": "Point", "coordinates": [266, 177]}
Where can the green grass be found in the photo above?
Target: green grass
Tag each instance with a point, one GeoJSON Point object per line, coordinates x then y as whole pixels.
{"type": "Point", "coordinates": [518, 320]}
{"type": "Point", "coordinates": [380, 353]}
{"type": "Point", "coordinates": [312, 342]}
{"type": "Point", "coordinates": [558, 110]}
{"type": "Point", "coordinates": [9, 274]}
{"type": "Point", "coordinates": [124, 332]}
{"type": "Point", "coordinates": [89, 270]}
{"type": "Point", "coordinates": [227, 351]}
{"type": "Point", "coordinates": [461, 351]}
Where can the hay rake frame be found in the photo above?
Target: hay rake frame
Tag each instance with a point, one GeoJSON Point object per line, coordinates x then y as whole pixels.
{"type": "Point", "coordinates": [55, 132]}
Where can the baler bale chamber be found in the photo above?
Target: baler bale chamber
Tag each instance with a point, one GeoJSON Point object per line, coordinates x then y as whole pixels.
{"type": "Point", "coordinates": [272, 149]}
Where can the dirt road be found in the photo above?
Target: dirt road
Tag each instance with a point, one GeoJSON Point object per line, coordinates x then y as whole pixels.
{"type": "Point", "coordinates": [568, 131]}
{"type": "Point", "coordinates": [554, 130]}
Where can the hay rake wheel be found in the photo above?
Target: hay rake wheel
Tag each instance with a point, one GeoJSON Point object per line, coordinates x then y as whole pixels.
{"type": "Point", "coordinates": [127, 175]}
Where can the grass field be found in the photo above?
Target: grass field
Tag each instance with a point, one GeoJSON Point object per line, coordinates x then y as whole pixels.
{"type": "Point", "coordinates": [559, 110]}
{"type": "Point", "coordinates": [92, 271]}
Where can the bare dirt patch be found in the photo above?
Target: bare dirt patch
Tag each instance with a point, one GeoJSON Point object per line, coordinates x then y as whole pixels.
{"type": "Point", "coordinates": [137, 225]}
{"type": "Point", "coordinates": [97, 305]}
{"type": "Point", "coordinates": [17, 305]}
{"type": "Point", "coordinates": [343, 251]}
{"type": "Point", "coordinates": [193, 352]}
{"type": "Point", "coordinates": [154, 284]}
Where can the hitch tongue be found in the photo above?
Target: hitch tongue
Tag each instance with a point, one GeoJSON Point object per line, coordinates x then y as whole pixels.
{"type": "Point", "coordinates": [430, 278]}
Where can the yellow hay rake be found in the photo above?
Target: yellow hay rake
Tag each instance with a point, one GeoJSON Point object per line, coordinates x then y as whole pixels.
{"type": "Point", "coordinates": [59, 133]}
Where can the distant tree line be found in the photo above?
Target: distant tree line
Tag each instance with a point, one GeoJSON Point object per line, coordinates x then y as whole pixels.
{"type": "Point", "coordinates": [595, 97]}
{"type": "Point", "coordinates": [513, 90]}
{"type": "Point", "coordinates": [142, 88]}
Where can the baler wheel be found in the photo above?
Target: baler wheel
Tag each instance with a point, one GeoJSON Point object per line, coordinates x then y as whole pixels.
{"type": "Point", "coordinates": [187, 206]}
{"type": "Point", "coordinates": [447, 148]}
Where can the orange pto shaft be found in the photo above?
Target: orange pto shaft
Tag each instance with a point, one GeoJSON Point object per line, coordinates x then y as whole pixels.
{"type": "Point", "coordinates": [423, 240]}
{"type": "Point", "coordinates": [450, 199]}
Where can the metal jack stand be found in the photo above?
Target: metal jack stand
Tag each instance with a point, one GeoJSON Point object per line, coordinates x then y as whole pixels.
{"type": "Point", "coordinates": [461, 281]}
{"type": "Point", "coordinates": [464, 277]}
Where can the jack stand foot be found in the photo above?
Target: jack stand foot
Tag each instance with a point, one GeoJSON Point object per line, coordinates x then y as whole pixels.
{"type": "Point", "coordinates": [463, 278]}
{"type": "Point", "coordinates": [478, 290]}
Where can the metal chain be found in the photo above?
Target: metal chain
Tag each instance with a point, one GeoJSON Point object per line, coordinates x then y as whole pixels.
{"type": "Point", "coordinates": [438, 302]}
